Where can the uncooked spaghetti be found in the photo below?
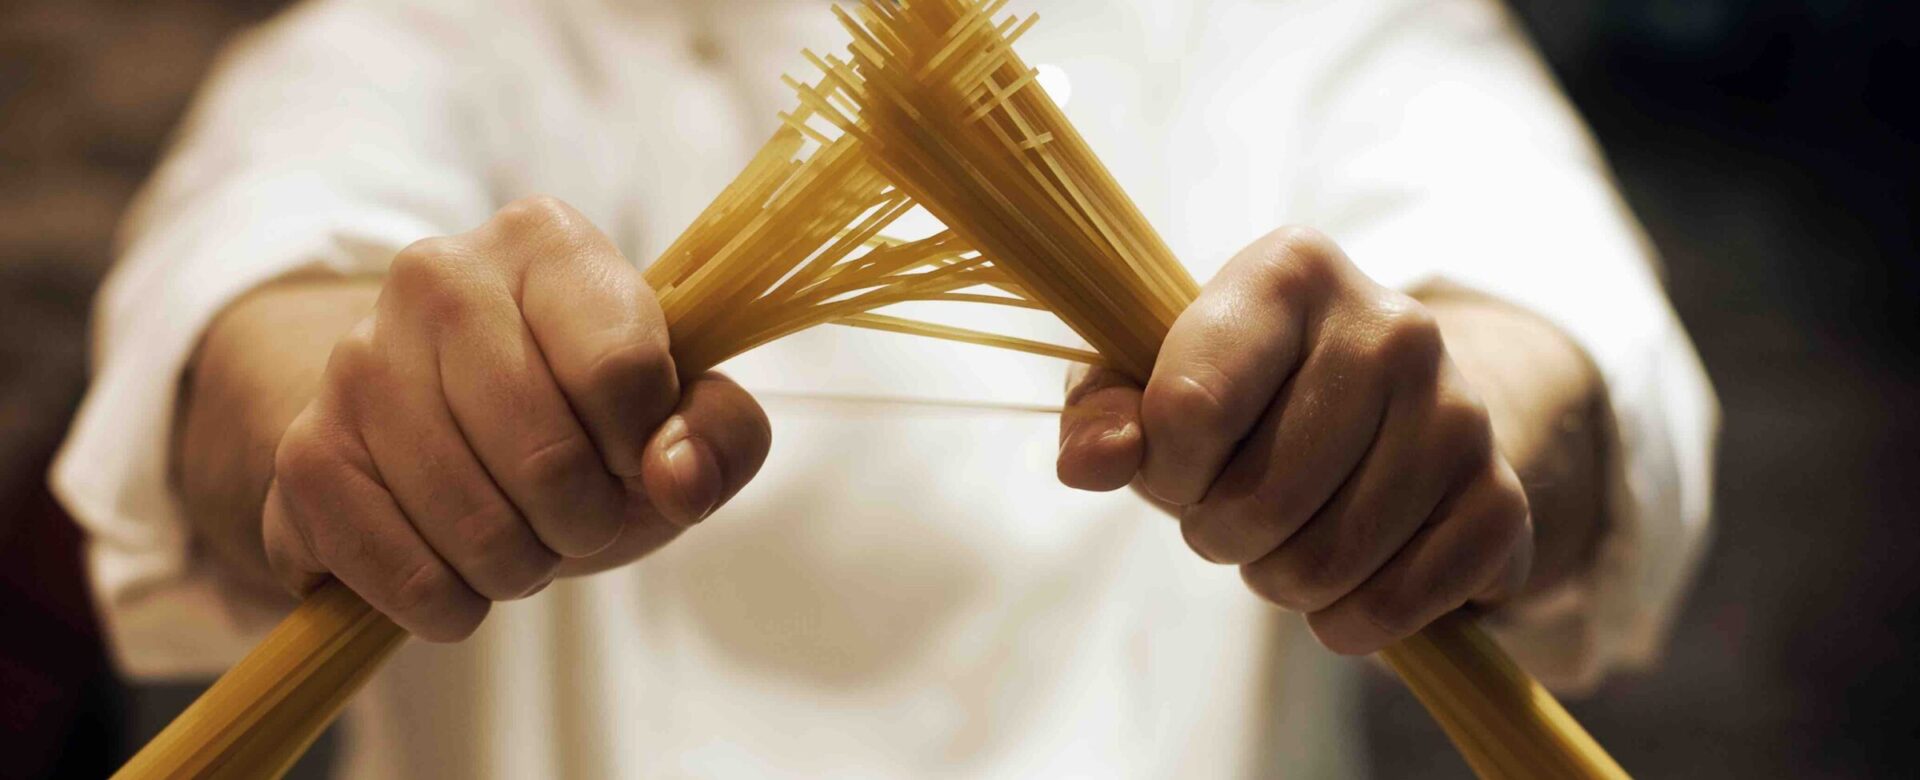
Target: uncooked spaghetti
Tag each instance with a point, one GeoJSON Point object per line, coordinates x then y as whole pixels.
{"type": "Point", "coordinates": [930, 107]}
{"type": "Point", "coordinates": [948, 111]}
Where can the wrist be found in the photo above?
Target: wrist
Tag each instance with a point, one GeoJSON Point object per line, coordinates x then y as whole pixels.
{"type": "Point", "coordinates": [256, 367]}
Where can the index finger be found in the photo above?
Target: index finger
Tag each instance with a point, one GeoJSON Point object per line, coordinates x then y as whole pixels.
{"type": "Point", "coordinates": [599, 327]}
{"type": "Point", "coordinates": [1227, 355]}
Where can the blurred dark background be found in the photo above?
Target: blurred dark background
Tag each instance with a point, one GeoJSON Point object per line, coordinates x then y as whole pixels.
{"type": "Point", "coordinates": [1771, 147]}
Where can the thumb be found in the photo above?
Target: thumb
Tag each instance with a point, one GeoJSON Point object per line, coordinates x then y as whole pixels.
{"type": "Point", "coordinates": [1101, 445]}
{"type": "Point", "coordinates": [709, 448]}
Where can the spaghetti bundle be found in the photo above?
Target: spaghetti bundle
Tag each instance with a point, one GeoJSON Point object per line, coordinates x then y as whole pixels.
{"type": "Point", "coordinates": [946, 109]}
{"type": "Point", "coordinates": [794, 241]}
{"type": "Point", "coordinates": [931, 107]}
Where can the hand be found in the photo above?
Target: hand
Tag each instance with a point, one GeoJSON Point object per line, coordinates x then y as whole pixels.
{"type": "Point", "coordinates": [510, 411]}
{"type": "Point", "coordinates": [1310, 428]}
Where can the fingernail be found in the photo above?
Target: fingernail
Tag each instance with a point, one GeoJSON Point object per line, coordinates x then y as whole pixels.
{"type": "Point", "coordinates": [696, 478]}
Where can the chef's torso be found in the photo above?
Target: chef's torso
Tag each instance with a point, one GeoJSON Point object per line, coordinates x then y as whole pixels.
{"type": "Point", "coordinates": [905, 590]}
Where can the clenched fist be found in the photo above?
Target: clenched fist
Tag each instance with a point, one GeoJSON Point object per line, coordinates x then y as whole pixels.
{"type": "Point", "coordinates": [509, 411]}
{"type": "Point", "coordinates": [1310, 428]}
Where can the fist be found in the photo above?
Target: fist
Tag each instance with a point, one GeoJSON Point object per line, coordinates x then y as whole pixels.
{"type": "Point", "coordinates": [508, 413]}
{"type": "Point", "coordinates": [1308, 427]}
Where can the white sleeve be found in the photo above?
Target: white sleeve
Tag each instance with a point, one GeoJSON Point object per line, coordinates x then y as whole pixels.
{"type": "Point", "coordinates": [1437, 148]}
{"type": "Point", "coordinates": [326, 139]}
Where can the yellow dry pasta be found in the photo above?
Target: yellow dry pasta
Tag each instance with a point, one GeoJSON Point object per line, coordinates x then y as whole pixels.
{"type": "Point", "coordinates": [930, 107]}
{"type": "Point", "coordinates": [961, 132]}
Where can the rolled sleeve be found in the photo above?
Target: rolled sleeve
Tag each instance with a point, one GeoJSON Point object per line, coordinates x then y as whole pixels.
{"type": "Point", "coordinates": [299, 154]}
{"type": "Point", "coordinates": [1441, 151]}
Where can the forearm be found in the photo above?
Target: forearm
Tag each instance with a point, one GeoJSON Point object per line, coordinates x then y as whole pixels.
{"type": "Point", "coordinates": [258, 365]}
{"type": "Point", "coordinates": [1548, 411]}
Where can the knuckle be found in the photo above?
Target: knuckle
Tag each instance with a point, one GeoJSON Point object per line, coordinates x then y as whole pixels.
{"type": "Point", "coordinates": [422, 588]}
{"type": "Point", "coordinates": [1229, 531]}
{"type": "Point", "coordinates": [502, 565]}
{"type": "Point", "coordinates": [1393, 617]}
{"type": "Point", "coordinates": [357, 371]}
{"type": "Point", "coordinates": [430, 251]}
{"type": "Point", "coordinates": [1305, 263]}
{"type": "Point", "coordinates": [288, 546]}
{"type": "Point", "coordinates": [502, 575]}
{"type": "Point", "coordinates": [289, 566]}
{"type": "Point", "coordinates": [1316, 582]}
{"type": "Point", "coordinates": [559, 462]}
{"type": "Point", "coordinates": [1408, 340]}
{"type": "Point", "coordinates": [434, 278]}
{"type": "Point", "coordinates": [1509, 495]}
{"type": "Point", "coordinates": [1341, 633]}
{"type": "Point", "coordinates": [534, 216]}
{"type": "Point", "coordinates": [1493, 526]}
{"type": "Point", "coordinates": [1306, 245]}
{"type": "Point", "coordinates": [306, 461]}
{"type": "Point", "coordinates": [428, 262]}
{"type": "Point", "coordinates": [1367, 622]}
{"type": "Point", "coordinates": [1506, 522]}
{"type": "Point", "coordinates": [1260, 581]}
{"type": "Point", "coordinates": [1508, 482]}
{"type": "Point", "coordinates": [1197, 405]}
{"type": "Point", "coordinates": [1463, 424]}
{"type": "Point", "coordinates": [643, 368]}
{"type": "Point", "coordinates": [1270, 585]}
{"type": "Point", "coordinates": [354, 357]}
{"type": "Point", "coordinates": [574, 494]}
{"type": "Point", "coordinates": [1306, 580]}
{"type": "Point", "coordinates": [1203, 535]}
{"type": "Point", "coordinates": [489, 529]}
{"type": "Point", "coordinates": [513, 579]}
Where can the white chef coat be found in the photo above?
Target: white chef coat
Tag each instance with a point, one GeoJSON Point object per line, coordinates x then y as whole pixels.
{"type": "Point", "coordinates": [905, 590]}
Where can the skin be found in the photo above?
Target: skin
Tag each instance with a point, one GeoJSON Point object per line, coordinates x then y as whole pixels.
{"type": "Point", "coordinates": [502, 411]}
{"type": "Point", "coordinates": [502, 408]}
{"type": "Point", "coordinates": [1316, 430]}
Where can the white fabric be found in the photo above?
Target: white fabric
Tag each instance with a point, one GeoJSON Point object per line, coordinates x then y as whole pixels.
{"type": "Point", "coordinates": [905, 591]}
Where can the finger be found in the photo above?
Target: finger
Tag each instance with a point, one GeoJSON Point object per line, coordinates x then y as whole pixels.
{"type": "Point", "coordinates": [515, 419]}
{"type": "Point", "coordinates": [328, 512]}
{"type": "Point", "coordinates": [289, 555]}
{"type": "Point", "coordinates": [706, 451]}
{"type": "Point", "coordinates": [1434, 433]}
{"type": "Point", "coordinates": [1227, 355]}
{"type": "Point", "coordinates": [434, 478]}
{"type": "Point", "coordinates": [716, 441]}
{"type": "Point", "coordinates": [1504, 493]}
{"type": "Point", "coordinates": [600, 327]}
{"type": "Point", "coordinates": [1100, 440]}
{"type": "Point", "coordinates": [1315, 433]}
{"type": "Point", "coordinates": [1478, 543]}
